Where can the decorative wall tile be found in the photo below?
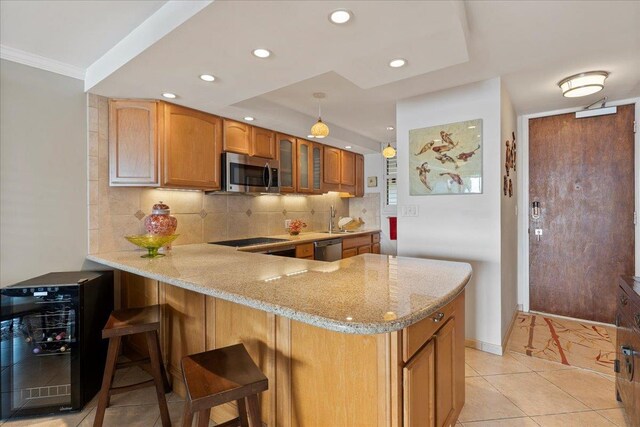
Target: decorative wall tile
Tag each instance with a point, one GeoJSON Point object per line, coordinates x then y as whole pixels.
{"type": "Point", "coordinates": [139, 215]}
{"type": "Point", "coordinates": [92, 120]}
{"type": "Point", "coordinates": [93, 168]}
{"type": "Point", "coordinates": [248, 212]}
{"type": "Point", "coordinates": [93, 192]}
{"type": "Point", "coordinates": [190, 229]}
{"type": "Point", "coordinates": [267, 203]}
{"type": "Point", "coordinates": [215, 202]}
{"type": "Point", "coordinates": [259, 224]}
{"type": "Point", "coordinates": [94, 246]}
{"type": "Point", "coordinates": [238, 203]}
{"type": "Point", "coordinates": [92, 100]}
{"type": "Point", "coordinates": [92, 148]}
{"type": "Point", "coordinates": [215, 227]}
{"type": "Point", "coordinates": [94, 217]}
{"type": "Point", "coordinates": [237, 226]}
{"type": "Point", "coordinates": [203, 213]}
{"type": "Point", "coordinates": [120, 201]}
{"type": "Point", "coordinates": [180, 202]}
{"type": "Point", "coordinates": [114, 228]}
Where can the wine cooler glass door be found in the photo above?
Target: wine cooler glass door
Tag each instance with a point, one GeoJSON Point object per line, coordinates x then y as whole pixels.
{"type": "Point", "coordinates": [38, 345]}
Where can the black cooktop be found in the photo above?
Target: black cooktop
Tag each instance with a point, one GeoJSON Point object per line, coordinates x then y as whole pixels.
{"type": "Point", "coordinates": [241, 243]}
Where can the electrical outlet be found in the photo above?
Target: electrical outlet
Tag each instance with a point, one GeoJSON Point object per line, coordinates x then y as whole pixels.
{"type": "Point", "coordinates": [409, 210]}
{"type": "Point", "coordinates": [287, 223]}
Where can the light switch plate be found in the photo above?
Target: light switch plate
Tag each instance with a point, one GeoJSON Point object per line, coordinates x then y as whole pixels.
{"type": "Point", "coordinates": [287, 223]}
{"type": "Point", "coordinates": [372, 181]}
{"type": "Point", "coordinates": [409, 210]}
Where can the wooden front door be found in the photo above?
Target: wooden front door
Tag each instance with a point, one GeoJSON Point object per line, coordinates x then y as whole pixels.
{"type": "Point", "coordinates": [581, 171]}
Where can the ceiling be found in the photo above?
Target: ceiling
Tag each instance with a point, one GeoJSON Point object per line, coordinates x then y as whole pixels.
{"type": "Point", "coordinates": [530, 44]}
{"type": "Point", "coordinates": [73, 32]}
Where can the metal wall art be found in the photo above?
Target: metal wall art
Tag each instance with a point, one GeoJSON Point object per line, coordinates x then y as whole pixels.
{"type": "Point", "coordinates": [509, 164]}
{"type": "Point", "coordinates": [446, 159]}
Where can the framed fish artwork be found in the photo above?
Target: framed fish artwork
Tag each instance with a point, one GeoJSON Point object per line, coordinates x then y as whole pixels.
{"type": "Point", "coordinates": [446, 159]}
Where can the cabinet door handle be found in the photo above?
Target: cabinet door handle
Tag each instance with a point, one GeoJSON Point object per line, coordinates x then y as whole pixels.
{"type": "Point", "coordinates": [438, 317]}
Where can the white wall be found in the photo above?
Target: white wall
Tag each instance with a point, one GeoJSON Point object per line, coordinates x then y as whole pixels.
{"type": "Point", "coordinates": [374, 166]}
{"type": "Point", "coordinates": [43, 173]}
{"type": "Point", "coordinates": [459, 227]}
{"type": "Point", "coordinates": [509, 219]}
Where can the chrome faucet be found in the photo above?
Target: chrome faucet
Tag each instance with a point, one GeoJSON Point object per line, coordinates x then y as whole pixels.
{"type": "Point", "coordinates": [332, 215]}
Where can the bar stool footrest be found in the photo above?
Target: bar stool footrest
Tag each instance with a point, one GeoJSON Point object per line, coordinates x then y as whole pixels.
{"type": "Point", "coordinates": [131, 387]}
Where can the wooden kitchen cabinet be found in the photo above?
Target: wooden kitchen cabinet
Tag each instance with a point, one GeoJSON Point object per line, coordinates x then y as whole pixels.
{"type": "Point", "coordinates": [287, 155]}
{"type": "Point", "coordinates": [135, 128]}
{"type": "Point", "coordinates": [419, 394]}
{"type": "Point", "coordinates": [192, 148]}
{"type": "Point", "coordinates": [305, 251]}
{"type": "Point", "coordinates": [413, 377]}
{"type": "Point", "coordinates": [236, 137]}
{"type": "Point", "coordinates": [627, 364]}
{"type": "Point", "coordinates": [263, 143]}
{"type": "Point", "coordinates": [375, 248]}
{"type": "Point", "coordinates": [347, 172]}
{"type": "Point", "coordinates": [359, 171]}
{"type": "Point", "coordinates": [356, 245]}
{"type": "Point", "coordinates": [331, 168]}
{"type": "Point", "coordinates": [304, 178]}
{"type": "Point", "coordinates": [153, 143]}
{"type": "Point", "coordinates": [182, 329]}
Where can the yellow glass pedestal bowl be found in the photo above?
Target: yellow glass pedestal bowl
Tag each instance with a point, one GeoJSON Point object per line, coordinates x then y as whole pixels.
{"type": "Point", "coordinates": [151, 243]}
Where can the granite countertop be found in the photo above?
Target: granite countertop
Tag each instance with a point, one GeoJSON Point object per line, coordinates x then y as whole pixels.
{"type": "Point", "coordinates": [366, 294]}
{"type": "Point", "coordinates": [305, 237]}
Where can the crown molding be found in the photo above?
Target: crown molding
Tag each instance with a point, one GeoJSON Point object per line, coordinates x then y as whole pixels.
{"type": "Point", "coordinates": [41, 62]}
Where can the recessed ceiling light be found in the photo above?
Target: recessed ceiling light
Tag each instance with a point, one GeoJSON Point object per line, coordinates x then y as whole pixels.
{"type": "Point", "coordinates": [340, 16]}
{"type": "Point", "coordinates": [169, 95]}
{"type": "Point", "coordinates": [397, 63]}
{"type": "Point", "coordinates": [472, 127]}
{"type": "Point", "coordinates": [207, 77]}
{"type": "Point", "coordinates": [347, 147]}
{"type": "Point", "coordinates": [390, 128]}
{"type": "Point", "coordinates": [310, 136]}
{"type": "Point", "coordinates": [262, 53]}
{"type": "Point", "coordinates": [249, 118]}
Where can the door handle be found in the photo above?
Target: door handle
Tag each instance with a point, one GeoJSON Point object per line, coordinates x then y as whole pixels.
{"type": "Point", "coordinates": [535, 210]}
{"type": "Point", "coordinates": [269, 175]}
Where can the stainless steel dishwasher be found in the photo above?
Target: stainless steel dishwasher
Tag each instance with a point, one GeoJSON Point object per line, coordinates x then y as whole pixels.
{"type": "Point", "coordinates": [328, 250]}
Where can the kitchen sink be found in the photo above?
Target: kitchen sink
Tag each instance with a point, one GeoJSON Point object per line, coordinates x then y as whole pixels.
{"type": "Point", "coordinates": [338, 232]}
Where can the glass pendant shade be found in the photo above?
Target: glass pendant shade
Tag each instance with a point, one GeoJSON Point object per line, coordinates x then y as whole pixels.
{"type": "Point", "coordinates": [388, 152]}
{"type": "Point", "coordinates": [583, 84]}
{"type": "Point", "coordinates": [320, 130]}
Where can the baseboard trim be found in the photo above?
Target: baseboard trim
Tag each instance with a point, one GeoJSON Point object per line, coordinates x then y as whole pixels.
{"type": "Point", "coordinates": [483, 346]}
{"type": "Point", "coordinates": [505, 339]}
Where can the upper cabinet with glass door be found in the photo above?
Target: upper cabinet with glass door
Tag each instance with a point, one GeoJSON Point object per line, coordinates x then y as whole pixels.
{"type": "Point", "coordinates": [287, 155]}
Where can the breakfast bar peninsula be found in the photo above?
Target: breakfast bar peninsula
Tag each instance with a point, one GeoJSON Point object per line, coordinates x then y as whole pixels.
{"type": "Point", "coordinates": [371, 340]}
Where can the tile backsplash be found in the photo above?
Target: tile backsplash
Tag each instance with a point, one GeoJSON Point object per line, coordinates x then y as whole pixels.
{"type": "Point", "coordinates": [118, 211]}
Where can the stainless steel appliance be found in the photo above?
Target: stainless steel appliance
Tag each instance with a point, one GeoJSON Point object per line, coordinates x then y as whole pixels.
{"type": "Point", "coordinates": [246, 174]}
{"type": "Point", "coordinates": [328, 250]}
{"type": "Point", "coordinates": [52, 349]}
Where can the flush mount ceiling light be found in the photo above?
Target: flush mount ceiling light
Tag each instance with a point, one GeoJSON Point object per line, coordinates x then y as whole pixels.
{"type": "Point", "coordinates": [397, 63]}
{"type": "Point", "coordinates": [340, 16]}
{"type": "Point", "coordinates": [388, 152]}
{"type": "Point", "coordinates": [261, 53]}
{"type": "Point", "coordinates": [319, 130]}
{"type": "Point", "coordinates": [207, 77]}
{"type": "Point", "coordinates": [249, 118]}
{"type": "Point", "coordinates": [390, 128]}
{"type": "Point", "coordinates": [347, 147]}
{"type": "Point", "coordinates": [169, 95]}
{"type": "Point", "coordinates": [310, 136]}
{"type": "Point", "coordinates": [583, 84]}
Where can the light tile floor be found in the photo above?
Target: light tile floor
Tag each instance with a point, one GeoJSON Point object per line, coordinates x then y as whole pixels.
{"type": "Point", "coordinates": [515, 390]}
{"type": "Point", "coordinates": [512, 390]}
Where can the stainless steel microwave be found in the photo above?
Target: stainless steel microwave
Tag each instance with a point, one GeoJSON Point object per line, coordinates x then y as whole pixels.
{"type": "Point", "coordinates": [245, 174]}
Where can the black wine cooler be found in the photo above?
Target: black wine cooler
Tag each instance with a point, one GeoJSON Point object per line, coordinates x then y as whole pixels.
{"type": "Point", "coordinates": [51, 349]}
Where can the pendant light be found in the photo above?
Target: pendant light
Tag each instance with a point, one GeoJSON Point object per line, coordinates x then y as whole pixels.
{"type": "Point", "coordinates": [389, 152]}
{"type": "Point", "coordinates": [320, 129]}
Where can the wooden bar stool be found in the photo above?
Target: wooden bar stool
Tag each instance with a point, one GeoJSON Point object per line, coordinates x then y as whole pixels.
{"type": "Point", "coordinates": [130, 321]}
{"type": "Point", "coordinates": [220, 376]}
